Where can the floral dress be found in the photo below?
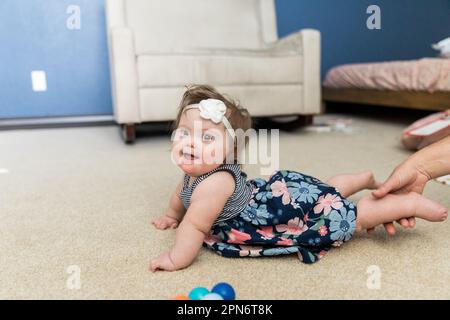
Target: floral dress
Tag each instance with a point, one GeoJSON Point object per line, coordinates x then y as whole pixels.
{"type": "Point", "coordinates": [290, 213]}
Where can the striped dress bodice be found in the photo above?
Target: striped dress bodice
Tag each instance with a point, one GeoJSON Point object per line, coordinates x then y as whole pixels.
{"type": "Point", "coordinates": [235, 204]}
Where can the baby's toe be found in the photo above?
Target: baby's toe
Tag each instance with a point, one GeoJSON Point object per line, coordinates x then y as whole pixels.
{"type": "Point", "coordinates": [444, 214]}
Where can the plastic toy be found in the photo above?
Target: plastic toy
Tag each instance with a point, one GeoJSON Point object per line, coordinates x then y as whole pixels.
{"type": "Point", "coordinates": [198, 293]}
{"type": "Point", "coordinates": [213, 296]}
{"type": "Point", "coordinates": [225, 290]}
{"type": "Point", "coordinates": [220, 291]}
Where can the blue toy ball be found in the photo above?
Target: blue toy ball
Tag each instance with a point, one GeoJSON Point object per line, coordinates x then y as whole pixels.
{"type": "Point", "coordinates": [213, 296]}
{"type": "Point", "coordinates": [198, 293]}
{"type": "Point", "coordinates": [225, 290]}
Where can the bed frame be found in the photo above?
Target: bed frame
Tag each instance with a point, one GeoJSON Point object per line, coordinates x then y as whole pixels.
{"type": "Point", "coordinates": [422, 100]}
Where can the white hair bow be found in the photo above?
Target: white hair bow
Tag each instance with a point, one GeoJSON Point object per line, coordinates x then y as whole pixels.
{"type": "Point", "coordinates": [214, 110]}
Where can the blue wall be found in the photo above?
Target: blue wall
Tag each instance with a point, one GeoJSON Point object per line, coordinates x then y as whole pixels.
{"type": "Point", "coordinates": [34, 36]}
{"type": "Point", "coordinates": [408, 28]}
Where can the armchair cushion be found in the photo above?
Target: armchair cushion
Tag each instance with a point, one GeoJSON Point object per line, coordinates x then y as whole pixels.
{"type": "Point", "coordinates": [179, 70]}
{"type": "Point", "coordinates": [280, 62]}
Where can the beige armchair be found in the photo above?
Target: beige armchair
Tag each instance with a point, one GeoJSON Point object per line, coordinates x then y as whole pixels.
{"type": "Point", "coordinates": [157, 47]}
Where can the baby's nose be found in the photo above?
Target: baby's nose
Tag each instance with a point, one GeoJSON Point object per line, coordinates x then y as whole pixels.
{"type": "Point", "coordinates": [194, 141]}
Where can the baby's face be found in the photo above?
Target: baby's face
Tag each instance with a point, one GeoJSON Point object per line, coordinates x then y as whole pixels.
{"type": "Point", "coordinates": [199, 145]}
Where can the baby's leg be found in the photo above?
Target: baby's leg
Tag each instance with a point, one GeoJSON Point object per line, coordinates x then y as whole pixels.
{"type": "Point", "coordinates": [373, 212]}
{"type": "Point", "coordinates": [348, 184]}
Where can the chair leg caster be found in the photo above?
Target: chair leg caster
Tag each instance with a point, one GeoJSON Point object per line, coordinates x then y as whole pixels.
{"type": "Point", "coordinates": [288, 123]}
{"type": "Point", "coordinates": [128, 133]}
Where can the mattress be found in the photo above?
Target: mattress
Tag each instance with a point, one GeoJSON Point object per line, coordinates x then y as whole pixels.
{"type": "Point", "coordinates": [427, 74]}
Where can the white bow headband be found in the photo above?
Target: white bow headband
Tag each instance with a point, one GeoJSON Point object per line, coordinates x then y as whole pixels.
{"type": "Point", "coordinates": [214, 110]}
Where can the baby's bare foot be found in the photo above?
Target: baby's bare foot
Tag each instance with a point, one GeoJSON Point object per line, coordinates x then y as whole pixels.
{"type": "Point", "coordinates": [428, 209]}
{"type": "Point", "coordinates": [371, 182]}
{"type": "Point", "coordinates": [392, 207]}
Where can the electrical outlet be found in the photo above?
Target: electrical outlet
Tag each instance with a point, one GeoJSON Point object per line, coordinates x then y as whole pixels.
{"type": "Point", "coordinates": [38, 80]}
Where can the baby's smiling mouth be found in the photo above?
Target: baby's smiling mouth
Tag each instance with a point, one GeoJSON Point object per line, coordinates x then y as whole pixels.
{"type": "Point", "coordinates": [188, 156]}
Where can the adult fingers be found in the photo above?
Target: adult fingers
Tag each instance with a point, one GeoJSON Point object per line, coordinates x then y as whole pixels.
{"type": "Point", "coordinates": [404, 222]}
{"type": "Point", "coordinates": [390, 229]}
{"type": "Point", "coordinates": [385, 188]}
{"type": "Point", "coordinates": [412, 222]}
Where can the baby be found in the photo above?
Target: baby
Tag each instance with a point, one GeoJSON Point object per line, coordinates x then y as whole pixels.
{"type": "Point", "coordinates": [216, 206]}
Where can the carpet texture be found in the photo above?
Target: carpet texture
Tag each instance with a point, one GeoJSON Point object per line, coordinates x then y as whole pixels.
{"type": "Point", "coordinates": [80, 197]}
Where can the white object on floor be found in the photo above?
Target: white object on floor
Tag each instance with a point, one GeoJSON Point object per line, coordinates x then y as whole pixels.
{"type": "Point", "coordinates": [318, 128]}
{"type": "Point", "coordinates": [326, 124]}
{"type": "Point", "coordinates": [3, 171]}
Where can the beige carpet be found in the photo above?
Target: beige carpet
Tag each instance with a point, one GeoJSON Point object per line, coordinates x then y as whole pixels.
{"type": "Point", "coordinates": [79, 196]}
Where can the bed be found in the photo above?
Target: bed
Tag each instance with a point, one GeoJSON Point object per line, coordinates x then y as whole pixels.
{"type": "Point", "coordinates": [417, 84]}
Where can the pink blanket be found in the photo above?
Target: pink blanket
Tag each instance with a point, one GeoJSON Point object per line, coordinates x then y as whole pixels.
{"type": "Point", "coordinates": [428, 74]}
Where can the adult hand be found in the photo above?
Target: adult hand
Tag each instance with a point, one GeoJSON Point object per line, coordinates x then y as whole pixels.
{"type": "Point", "coordinates": [405, 178]}
{"type": "Point", "coordinates": [412, 175]}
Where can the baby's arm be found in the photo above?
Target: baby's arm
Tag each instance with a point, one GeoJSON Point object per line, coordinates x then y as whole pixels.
{"type": "Point", "coordinates": [174, 213]}
{"type": "Point", "coordinates": [207, 202]}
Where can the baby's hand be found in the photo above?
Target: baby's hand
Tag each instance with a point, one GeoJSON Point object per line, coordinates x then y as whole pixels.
{"type": "Point", "coordinates": [165, 222]}
{"type": "Point", "coordinates": [163, 262]}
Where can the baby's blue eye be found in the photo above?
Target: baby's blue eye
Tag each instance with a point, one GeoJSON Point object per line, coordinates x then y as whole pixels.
{"type": "Point", "coordinates": [207, 137]}
{"type": "Point", "coordinates": [184, 133]}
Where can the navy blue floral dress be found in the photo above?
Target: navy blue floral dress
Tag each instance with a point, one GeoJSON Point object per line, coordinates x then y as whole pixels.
{"type": "Point", "coordinates": [290, 213]}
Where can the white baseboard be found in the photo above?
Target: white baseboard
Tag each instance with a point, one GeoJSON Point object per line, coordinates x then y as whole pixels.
{"type": "Point", "coordinates": [51, 122]}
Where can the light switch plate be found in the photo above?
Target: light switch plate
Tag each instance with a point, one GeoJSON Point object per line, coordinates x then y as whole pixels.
{"type": "Point", "coordinates": [39, 80]}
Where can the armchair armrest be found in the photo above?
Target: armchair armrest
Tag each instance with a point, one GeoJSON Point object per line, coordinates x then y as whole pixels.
{"type": "Point", "coordinates": [289, 44]}
{"type": "Point", "coordinates": [310, 42]}
{"type": "Point", "coordinates": [124, 80]}
{"type": "Point", "coordinates": [305, 43]}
